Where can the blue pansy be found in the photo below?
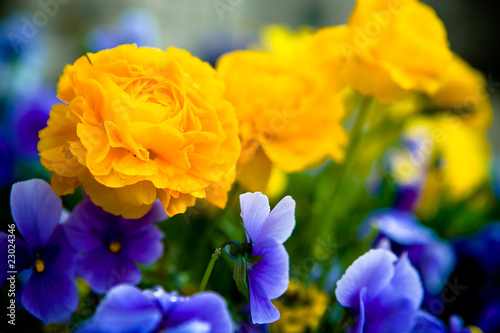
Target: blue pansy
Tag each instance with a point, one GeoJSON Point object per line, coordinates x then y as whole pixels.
{"type": "Point", "coordinates": [433, 257]}
{"type": "Point", "coordinates": [383, 291]}
{"type": "Point", "coordinates": [128, 309]}
{"type": "Point", "coordinates": [267, 230]}
{"type": "Point", "coordinates": [50, 292]}
{"type": "Point", "coordinates": [426, 323]}
{"type": "Point", "coordinates": [134, 26]}
{"type": "Point", "coordinates": [110, 245]}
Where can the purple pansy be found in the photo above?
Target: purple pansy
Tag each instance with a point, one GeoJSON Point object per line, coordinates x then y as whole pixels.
{"type": "Point", "coordinates": [50, 292]}
{"type": "Point", "coordinates": [269, 277]}
{"type": "Point", "coordinates": [433, 257]}
{"type": "Point", "coordinates": [128, 309]}
{"type": "Point", "coordinates": [111, 245]}
{"type": "Point", "coordinates": [384, 292]}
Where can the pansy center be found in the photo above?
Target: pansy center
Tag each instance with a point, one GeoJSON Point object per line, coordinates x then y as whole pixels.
{"type": "Point", "coordinates": [40, 265]}
{"type": "Point", "coordinates": [115, 246]}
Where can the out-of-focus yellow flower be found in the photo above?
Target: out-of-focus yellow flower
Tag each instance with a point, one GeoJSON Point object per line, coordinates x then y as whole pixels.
{"type": "Point", "coordinates": [388, 49]}
{"type": "Point", "coordinates": [300, 307]}
{"type": "Point", "coordinates": [459, 156]}
{"type": "Point", "coordinates": [289, 111]}
{"type": "Point", "coordinates": [464, 92]}
{"type": "Point", "coordinates": [141, 123]}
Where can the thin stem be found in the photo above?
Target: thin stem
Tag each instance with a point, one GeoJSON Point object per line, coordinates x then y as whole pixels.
{"type": "Point", "coordinates": [211, 264]}
{"type": "Point", "coordinates": [208, 271]}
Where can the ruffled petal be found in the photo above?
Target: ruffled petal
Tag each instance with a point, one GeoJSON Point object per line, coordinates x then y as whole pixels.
{"type": "Point", "coordinates": [254, 211]}
{"type": "Point", "coordinates": [36, 210]}
{"type": "Point", "coordinates": [279, 225]}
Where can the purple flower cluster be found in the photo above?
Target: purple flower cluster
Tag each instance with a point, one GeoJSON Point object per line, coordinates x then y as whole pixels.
{"type": "Point", "coordinates": [128, 309]}
{"type": "Point", "coordinates": [103, 250]}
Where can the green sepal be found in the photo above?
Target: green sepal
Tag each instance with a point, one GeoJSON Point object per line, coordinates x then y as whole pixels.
{"type": "Point", "coordinates": [252, 259]}
{"type": "Point", "coordinates": [240, 275]}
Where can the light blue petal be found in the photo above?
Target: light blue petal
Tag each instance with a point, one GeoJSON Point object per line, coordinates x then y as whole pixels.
{"type": "Point", "coordinates": [279, 225]}
{"type": "Point", "coordinates": [374, 271]}
{"type": "Point", "coordinates": [254, 211]}
{"type": "Point", "coordinates": [125, 309]}
{"type": "Point", "coordinates": [261, 309]}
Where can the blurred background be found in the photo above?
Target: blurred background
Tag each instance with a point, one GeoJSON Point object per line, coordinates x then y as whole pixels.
{"type": "Point", "coordinates": [48, 34]}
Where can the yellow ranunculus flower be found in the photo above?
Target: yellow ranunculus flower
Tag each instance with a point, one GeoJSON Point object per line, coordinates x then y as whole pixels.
{"type": "Point", "coordinates": [141, 123]}
{"type": "Point", "coordinates": [464, 92]}
{"type": "Point", "coordinates": [289, 111]}
{"type": "Point", "coordinates": [388, 49]}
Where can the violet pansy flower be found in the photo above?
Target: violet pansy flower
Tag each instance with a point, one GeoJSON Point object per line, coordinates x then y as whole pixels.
{"type": "Point", "coordinates": [383, 291]}
{"type": "Point", "coordinates": [50, 293]}
{"type": "Point", "coordinates": [111, 245]}
{"type": "Point", "coordinates": [128, 309]}
{"type": "Point", "coordinates": [433, 257]}
{"type": "Point", "coordinates": [267, 230]}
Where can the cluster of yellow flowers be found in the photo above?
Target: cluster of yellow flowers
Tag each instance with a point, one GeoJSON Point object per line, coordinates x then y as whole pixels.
{"type": "Point", "coordinates": [141, 123]}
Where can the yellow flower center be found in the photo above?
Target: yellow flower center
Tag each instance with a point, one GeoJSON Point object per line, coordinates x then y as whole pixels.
{"type": "Point", "coordinates": [115, 246]}
{"type": "Point", "coordinates": [40, 265]}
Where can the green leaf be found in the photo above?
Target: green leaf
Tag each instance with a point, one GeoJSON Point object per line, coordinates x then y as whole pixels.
{"type": "Point", "coordinates": [240, 275]}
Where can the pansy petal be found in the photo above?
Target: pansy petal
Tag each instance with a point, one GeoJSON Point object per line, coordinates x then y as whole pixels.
{"type": "Point", "coordinates": [425, 322]}
{"type": "Point", "coordinates": [194, 326]}
{"type": "Point", "coordinates": [254, 211]}
{"type": "Point", "coordinates": [399, 226]}
{"type": "Point", "coordinates": [374, 270]}
{"type": "Point", "coordinates": [125, 309]}
{"type": "Point", "coordinates": [36, 210]}
{"type": "Point", "coordinates": [406, 283]}
{"type": "Point", "coordinates": [144, 245]}
{"type": "Point", "coordinates": [88, 225]}
{"type": "Point", "coordinates": [271, 273]}
{"type": "Point", "coordinates": [50, 297]}
{"type": "Point", "coordinates": [155, 214]}
{"type": "Point", "coordinates": [21, 258]}
{"type": "Point", "coordinates": [435, 265]}
{"type": "Point", "coordinates": [103, 269]}
{"type": "Point", "coordinates": [279, 224]}
{"type": "Point", "coordinates": [207, 307]}
{"type": "Point", "coordinates": [261, 309]}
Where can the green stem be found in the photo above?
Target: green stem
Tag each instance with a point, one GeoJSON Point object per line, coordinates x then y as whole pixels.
{"type": "Point", "coordinates": [211, 264]}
